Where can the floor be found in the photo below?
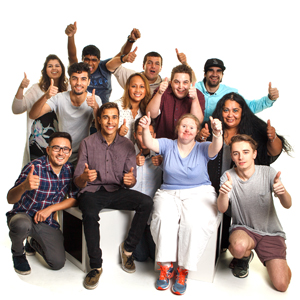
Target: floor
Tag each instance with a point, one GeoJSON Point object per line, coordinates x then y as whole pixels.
{"type": "Point", "coordinates": [115, 282]}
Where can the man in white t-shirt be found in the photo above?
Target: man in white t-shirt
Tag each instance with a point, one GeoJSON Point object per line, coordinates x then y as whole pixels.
{"type": "Point", "coordinates": [247, 191]}
{"type": "Point", "coordinates": [75, 109]}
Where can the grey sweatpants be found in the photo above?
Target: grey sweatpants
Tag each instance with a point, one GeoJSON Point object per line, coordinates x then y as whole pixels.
{"type": "Point", "coordinates": [46, 240]}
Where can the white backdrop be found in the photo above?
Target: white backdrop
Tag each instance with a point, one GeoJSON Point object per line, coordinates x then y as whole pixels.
{"type": "Point", "coordinates": [257, 40]}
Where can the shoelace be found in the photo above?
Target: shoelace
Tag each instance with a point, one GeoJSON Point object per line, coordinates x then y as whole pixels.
{"type": "Point", "coordinates": [93, 273]}
{"type": "Point", "coordinates": [181, 276]}
{"type": "Point", "coordinates": [130, 260]}
{"type": "Point", "coordinates": [163, 272]}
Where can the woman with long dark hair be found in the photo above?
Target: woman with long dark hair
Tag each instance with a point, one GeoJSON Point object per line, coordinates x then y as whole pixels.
{"type": "Point", "coordinates": [39, 130]}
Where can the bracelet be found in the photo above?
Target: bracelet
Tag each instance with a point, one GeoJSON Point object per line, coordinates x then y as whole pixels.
{"type": "Point", "coordinates": [130, 40]}
{"type": "Point", "coordinates": [121, 57]}
{"type": "Point", "coordinates": [274, 138]}
{"type": "Point", "coordinates": [217, 136]}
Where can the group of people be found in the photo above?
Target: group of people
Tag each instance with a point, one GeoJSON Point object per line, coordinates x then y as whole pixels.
{"type": "Point", "coordinates": [176, 151]}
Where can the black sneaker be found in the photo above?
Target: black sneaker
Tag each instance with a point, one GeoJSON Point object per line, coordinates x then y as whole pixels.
{"type": "Point", "coordinates": [92, 279]}
{"type": "Point", "coordinates": [21, 265]}
{"type": "Point", "coordinates": [28, 249]}
{"type": "Point", "coordinates": [241, 269]}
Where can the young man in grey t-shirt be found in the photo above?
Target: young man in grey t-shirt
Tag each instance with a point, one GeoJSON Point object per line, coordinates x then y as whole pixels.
{"type": "Point", "coordinates": [247, 190]}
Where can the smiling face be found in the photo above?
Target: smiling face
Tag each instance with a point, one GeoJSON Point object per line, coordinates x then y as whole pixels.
{"type": "Point", "coordinates": [180, 84]}
{"type": "Point", "coordinates": [109, 122]}
{"type": "Point", "coordinates": [152, 67]}
{"type": "Point", "coordinates": [79, 82]}
{"type": "Point", "coordinates": [58, 159]}
{"type": "Point", "coordinates": [213, 77]}
{"type": "Point", "coordinates": [93, 62]}
{"type": "Point", "coordinates": [232, 114]}
{"type": "Point", "coordinates": [53, 69]}
{"type": "Point", "coordinates": [136, 89]}
{"type": "Point", "coordinates": [187, 130]}
{"type": "Point", "coordinates": [243, 155]}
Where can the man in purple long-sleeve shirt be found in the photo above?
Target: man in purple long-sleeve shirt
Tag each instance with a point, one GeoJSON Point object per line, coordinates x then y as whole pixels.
{"type": "Point", "coordinates": [105, 171]}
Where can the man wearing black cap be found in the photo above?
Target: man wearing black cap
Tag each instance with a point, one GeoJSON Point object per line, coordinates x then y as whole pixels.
{"type": "Point", "coordinates": [213, 90]}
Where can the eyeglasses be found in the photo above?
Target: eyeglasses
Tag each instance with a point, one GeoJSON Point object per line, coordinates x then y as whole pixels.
{"type": "Point", "coordinates": [56, 148]}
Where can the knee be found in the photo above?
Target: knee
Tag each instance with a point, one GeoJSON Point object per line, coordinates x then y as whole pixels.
{"type": "Point", "coordinates": [238, 248]}
{"type": "Point", "coordinates": [20, 225]}
{"type": "Point", "coordinates": [281, 283]}
{"type": "Point", "coordinates": [57, 264]}
{"type": "Point", "coordinates": [147, 203]}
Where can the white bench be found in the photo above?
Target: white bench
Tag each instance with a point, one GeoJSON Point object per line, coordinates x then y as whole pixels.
{"type": "Point", "coordinates": [114, 226]}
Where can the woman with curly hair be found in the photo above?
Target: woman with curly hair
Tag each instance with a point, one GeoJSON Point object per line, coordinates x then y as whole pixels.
{"type": "Point", "coordinates": [39, 130]}
{"type": "Point", "coordinates": [133, 103]}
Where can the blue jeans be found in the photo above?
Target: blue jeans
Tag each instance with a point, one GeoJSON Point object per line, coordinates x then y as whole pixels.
{"type": "Point", "coordinates": [123, 199]}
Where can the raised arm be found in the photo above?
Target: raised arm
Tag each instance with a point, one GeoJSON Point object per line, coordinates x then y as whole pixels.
{"type": "Point", "coordinates": [116, 61]}
{"type": "Point", "coordinates": [281, 192]}
{"type": "Point", "coordinates": [72, 52]}
{"type": "Point", "coordinates": [182, 58]}
{"type": "Point", "coordinates": [31, 182]}
{"type": "Point", "coordinates": [195, 107]}
{"type": "Point", "coordinates": [223, 199]}
{"type": "Point", "coordinates": [257, 106]}
{"type": "Point", "coordinates": [154, 104]}
{"type": "Point", "coordinates": [217, 140]}
{"type": "Point", "coordinates": [126, 48]}
{"type": "Point", "coordinates": [150, 142]}
{"type": "Point", "coordinates": [274, 145]}
{"type": "Point", "coordinates": [40, 107]}
{"type": "Point", "coordinates": [16, 109]}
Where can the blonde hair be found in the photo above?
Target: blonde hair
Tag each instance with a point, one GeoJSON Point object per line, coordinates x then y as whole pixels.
{"type": "Point", "coordinates": [188, 116]}
{"type": "Point", "coordinates": [126, 98]}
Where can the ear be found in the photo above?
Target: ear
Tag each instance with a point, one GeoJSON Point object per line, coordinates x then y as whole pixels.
{"type": "Point", "coordinates": [254, 154]}
{"type": "Point", "coordinates": [134, 135]}
{"type": "Point", "coordinates": [47, 150]}
{"type": "Point", "coordinates": [154, 135]}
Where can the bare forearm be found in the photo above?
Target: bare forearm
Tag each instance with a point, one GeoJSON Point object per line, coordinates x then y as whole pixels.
{"type": "Point", "coordinates": [113, 64]}
{"type": "Point", "coordinates": [154, 105]}
{"type": "Point", "coordinates": [274, 147]}
{"type": "Point", "coordinates": [223, 202]}
{"type": "Point", "coordinates": [36, 109]}
{"type": "Point", "coordinates": [196, 110]}
{"type": "Point", "coordinates": [215, 146]}
{"type": "Point", "coordinates": [72, 52]}
{"type": "Point", "coordinates": [80, 182]}
{"type": "Point", "coordinates": [67, 203]}
{"type": "Point", "coordinates": [285, 200]}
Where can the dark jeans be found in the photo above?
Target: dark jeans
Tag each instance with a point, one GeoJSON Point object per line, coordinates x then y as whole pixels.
{"type": "Point", "coordinates": [145, 247]}
{"type": "Point", "coordinates": [123, 199]}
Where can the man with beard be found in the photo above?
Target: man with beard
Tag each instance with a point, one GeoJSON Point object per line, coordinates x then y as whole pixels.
{"type": "Point", "coordinates": [213, 90]}
{"type": "Point", "coordinates": [75, 109]}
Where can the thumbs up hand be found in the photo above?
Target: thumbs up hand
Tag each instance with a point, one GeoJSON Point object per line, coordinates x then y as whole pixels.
{"type": "Point", "coordinates": [123, 129]}
{"type": "Point", "coordinates": [204, 133]}
{"type": "Point", "coordinates": [25, 82]}
{"type": "Point", "coordinates": [130, 57]}
{"type": "Point", "coordinates": [91, 101]}
{"type": "Point", "coordinates": [32, 181]}
{"type": "Point", "coordinates": [181, 57]}
{"type": "Point", "coordinates": [273, 92]}
{"type": "Point", "coordinates": [129, 179]}
{"type": "Point", "coordinates": [163, 86]}
{"type": "Point", "coordinates": [216, 126]}
{"type": "Point", "coordinates": [134, 35]}
{"type": "Point", "coordinates": [193, 92]}
{"type": "Point", "coordinates": [271, 131]}
{"type": "Point", "coordinates": [71, 29]}
{"type": "Point", "coordinates": [140, 159]}
{"type": "Point", "coordinates": [52, 90]}
{"type": "Point", "coordinates": [226, 186]}
{"type": "Point", "coordinates": [89, 175]}
{"type": "Point", "coordinates": [278, 187]}
{"type": "Point", "coordinates": [145, 121]}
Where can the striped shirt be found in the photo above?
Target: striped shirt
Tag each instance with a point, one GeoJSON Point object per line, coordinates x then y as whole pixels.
{"type": "Point", "coordinates": [52, 189]}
